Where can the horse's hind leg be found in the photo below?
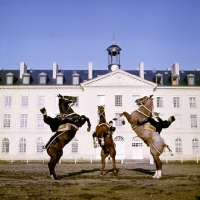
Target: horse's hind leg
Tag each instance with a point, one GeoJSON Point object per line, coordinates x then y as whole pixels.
{"type": "Point", "coordinates": [158, 167]}
{"type": "Point", "coordinates": [113, 154]}
{"type": "Point", "coordinates": [52, 165]}
{"type": "Point", "coordinates": [103, 157]}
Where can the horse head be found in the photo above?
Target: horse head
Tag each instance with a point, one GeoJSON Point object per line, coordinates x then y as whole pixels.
{"type": "Point", "coordinates": [64, 103]}
{"type": "Point", "coordinates": [146, 102]}
{"type": "Point", "coordinates": [101, 111]}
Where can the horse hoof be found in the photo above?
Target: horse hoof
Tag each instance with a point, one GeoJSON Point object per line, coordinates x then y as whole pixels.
{"type": "Point", "coordinates": [52, 177]}
{"type": "Point", "coordinates": [88, 129]}
{"type": "Point", "coordinates": [95, 146]}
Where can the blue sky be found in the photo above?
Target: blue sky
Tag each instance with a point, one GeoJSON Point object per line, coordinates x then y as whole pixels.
{"type": "Point", "coordinates": [75, 32]}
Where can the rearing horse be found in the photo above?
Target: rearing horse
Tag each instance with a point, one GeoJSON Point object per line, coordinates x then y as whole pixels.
{"type": "Point", "coordinates": [152, 139]}
{"type": "Point", "coordinates": [105, 139]}
{"type": "Point", "coordinates": [55, 149]}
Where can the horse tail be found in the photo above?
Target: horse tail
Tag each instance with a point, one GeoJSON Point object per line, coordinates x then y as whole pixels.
{"type": "Point", "coordinates": [169, 150]}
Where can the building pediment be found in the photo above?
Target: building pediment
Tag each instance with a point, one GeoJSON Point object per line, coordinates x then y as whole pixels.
{"type": "Point", "coordinates": [118, 78]}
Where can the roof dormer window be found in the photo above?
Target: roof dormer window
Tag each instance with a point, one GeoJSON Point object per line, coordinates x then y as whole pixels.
{"type": "Point", "coordinates": [159, 79]}
{"type": "Point", "coordinates": [59, 79]}
{"type": "Point", "coordinates": [9, 79]}
{"type": "Point", "coordinates": [174, 79]}
{"type": "Point", "coordinates": [26, 79]}
{"type": "Point", "coordinates": [190, 79]}
{"type": "Point", "coordinates": [42, 78]}
{"type": "Point", "coordinates": [75, 79]}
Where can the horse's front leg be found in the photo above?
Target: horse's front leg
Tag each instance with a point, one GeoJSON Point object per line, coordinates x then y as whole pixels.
{"type": "Point", "coordinates": [113, 154]}
{"type": "Point", "coordinates": [127, 115]}
{"type": "Point", "coordinates": [89, 124]}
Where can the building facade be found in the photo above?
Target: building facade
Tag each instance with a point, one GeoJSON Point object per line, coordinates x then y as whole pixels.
{"type": "Point", "coordinates": [23, 92]}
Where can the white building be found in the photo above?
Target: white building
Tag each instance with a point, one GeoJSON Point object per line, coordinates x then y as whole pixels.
{"type": "Point", "coordinates": [23, 92]}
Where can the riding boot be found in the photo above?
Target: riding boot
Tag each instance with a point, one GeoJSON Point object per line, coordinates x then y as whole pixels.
{"type": "Point", "coordinates": [52, 137]}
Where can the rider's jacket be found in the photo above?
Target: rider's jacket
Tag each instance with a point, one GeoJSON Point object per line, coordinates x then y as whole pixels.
{"type": "Point", "coordinates": [54, 123]}
{"type": "Point", "coordinates": [159, 125]}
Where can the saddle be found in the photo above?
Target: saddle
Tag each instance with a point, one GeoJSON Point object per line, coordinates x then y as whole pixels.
{"type": "Point", "coordinates": [66, 127]}
{"type": "Point", "coordinates": [149, 127]}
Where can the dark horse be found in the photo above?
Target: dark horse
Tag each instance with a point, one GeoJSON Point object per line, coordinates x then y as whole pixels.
{"type": "Point", "coordinates": [105, 139]}
{"type": "Point", "coordinates": [55, 149]}
{"type": "Point", "coordinates": [152, 139]}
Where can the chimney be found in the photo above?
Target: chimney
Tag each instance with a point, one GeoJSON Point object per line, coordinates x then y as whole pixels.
{"type": "Point", "coordinates": [23, 69]}
{"type": "Point", "coordinates": [55, 69]}
{"type": "Point", "coordinates": [141, 68]}
{"type": "Point", "coordinates": [175, 68]}
{"type": "Point", "coordinates": [90, 70]}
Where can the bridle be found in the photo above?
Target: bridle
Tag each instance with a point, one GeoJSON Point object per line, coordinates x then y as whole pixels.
{"type": "Point", "coordinates": [142, 105]}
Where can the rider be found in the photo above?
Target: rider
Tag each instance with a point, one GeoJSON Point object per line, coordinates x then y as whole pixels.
{"type": "Point", "coordinates": [54, 123]}
{"type": "Point", "coordinates": [112, 128]}
{"type": "Point", "coordinates": [160, 124]}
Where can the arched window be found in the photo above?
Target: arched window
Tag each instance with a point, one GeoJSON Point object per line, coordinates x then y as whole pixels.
{"type": "Point", "coordinates": [40, 145]}
{"type": "Point", "coordinates": [178, 145]}
{"type": "Point", "coordinates": [22, 145]}
{"type": "Point", "coordinates": [5, 145]}
{"type": "Point", "coordinates": [195, 145]}
{"type": "Point", "coordinates": [119, 138]}
{"type": "Point", "coordinates": [74, 146]}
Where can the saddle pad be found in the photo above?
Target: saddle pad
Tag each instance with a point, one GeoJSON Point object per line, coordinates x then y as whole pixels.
{"type": "Point", "coordinates": [149, 127]}
{"type": "Point", "coordinates": [66, 127]}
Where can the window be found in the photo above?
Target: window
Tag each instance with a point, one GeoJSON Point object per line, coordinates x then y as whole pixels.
{"type": "Point", "coordinates": [24, 101]}
{"type": "Point", "coordinates": [100, 100]}
{"type": "Point", "coordinates": [40, 121]}
{"type": "Point", "coordinates": [56, 101]}
{"type": "Point", "coordinates": [178, 146]}
{"type": "Point", "coordinates": [9, 80]}
{"type": "Point", "coordinates": [5, 146]}
{"type": "Point", "coordinates": [42, 79]}
{"type": "Point", "coordinates": [159, 102]}
{"type": "Point", "coordinates": [190, 79]}
{"type": "Point", "coordinates": [75, 79]}
{"type": "Point", "coordinates": [118, 100]}
{"type": "Point", "coordinates": [119, 138]}
{"type": "Point", "coordinates": [195, 146]}
{"type": "Point", "coordinates": [22, 145]}
{"type": "Point", "coordinates": [41, 101]}
{"type": "Point", "coordinates": [175, 79]}
{"type": "Point", "coordinates": [59, 80]}
{"type": "Point", "coordinates": [23, 120]}
{"type": "Point", "coordinates": [74, 145]}
{"type": "Point", "coordinates": [76, 104]}
{"type": "Point", "coordinates": [6, 120]}
{"type": "Point", "coordinates": [192, 101]}
{"type": "Point", "coordinates": [177, 122]}
{"type": "Point", "coordinates": [135, 97]}
{"type": "Point", "coordinates": [159, 79]}
{"type": "Point", "coordinates": [118, 122]}
{"type": "Point", "coordinates": [176, 101]}
{"type": "Point", "coordinates": [193, 121]}
{"type": "Point", "coordinates": [40, 145]}
{"type": "Point", "coordinates": [7, 101]}
{"type": "Point", "coordinates": [26, 79]}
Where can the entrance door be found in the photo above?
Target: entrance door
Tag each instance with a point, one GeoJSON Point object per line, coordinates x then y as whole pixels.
{"type": "Point", "coordinates": [120, 147]}
{"type": "Point", "coordinates": [137, 148]}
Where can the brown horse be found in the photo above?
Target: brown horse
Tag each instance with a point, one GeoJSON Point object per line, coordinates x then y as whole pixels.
{"type": "Point", "coordinates": [55, 149]}
{"type": "Point", "coordinates": [105, 139]}
{"type": "Point", "coordinates": [152, 139]}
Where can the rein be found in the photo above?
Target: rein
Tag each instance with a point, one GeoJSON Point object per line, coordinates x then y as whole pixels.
{"type": "Point", "coordinates": [142, 105]}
